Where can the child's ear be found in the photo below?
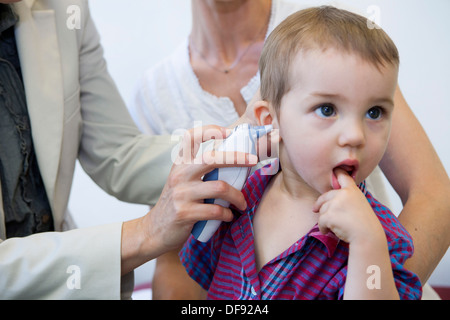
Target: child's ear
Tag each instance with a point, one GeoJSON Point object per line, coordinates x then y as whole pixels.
{"type": "Point", "coordinates": [262, 113]}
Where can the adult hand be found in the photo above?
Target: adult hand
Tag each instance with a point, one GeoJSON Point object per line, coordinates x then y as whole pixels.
{"type": "Point", "coordinates": [181, 204]}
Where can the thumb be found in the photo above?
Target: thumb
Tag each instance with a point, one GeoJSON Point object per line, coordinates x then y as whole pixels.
{"type": "Point", "coordinates": [343, 178]}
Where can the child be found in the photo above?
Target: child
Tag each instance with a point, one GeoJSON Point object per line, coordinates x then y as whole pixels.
{"type": "Point", "coordinates": [309, 232]}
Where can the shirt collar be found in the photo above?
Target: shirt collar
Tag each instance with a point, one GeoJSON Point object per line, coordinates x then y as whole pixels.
{"type": "Point", "coordinates": [254, 190]}
{"type": "Point", "coordinates": [330, 240]}
{"type": "Point", "coordinates": [8, 18]}
{"type": "Point", "coordinates": [256, 183]}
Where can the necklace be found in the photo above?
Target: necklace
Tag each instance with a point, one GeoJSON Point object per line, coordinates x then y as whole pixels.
{"type": "Point", "coordinates": [236, 61]}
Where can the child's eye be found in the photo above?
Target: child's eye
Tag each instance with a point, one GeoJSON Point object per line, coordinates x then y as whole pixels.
{"type": "Point", "coordinates": [374, 113]}
{"type": "Point", "coordinates": [325, 110]}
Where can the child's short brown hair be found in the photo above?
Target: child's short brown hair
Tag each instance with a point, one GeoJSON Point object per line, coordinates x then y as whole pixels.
{"type": "Point", "coordinates": [319, 28]}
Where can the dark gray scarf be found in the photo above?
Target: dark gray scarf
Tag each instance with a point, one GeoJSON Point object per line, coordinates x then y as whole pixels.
{"type": "Point", "coordinates": [25, 201]}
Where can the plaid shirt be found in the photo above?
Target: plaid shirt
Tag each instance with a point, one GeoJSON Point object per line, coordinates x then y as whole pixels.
{"type": "Point", "coordinates": [314, 267]}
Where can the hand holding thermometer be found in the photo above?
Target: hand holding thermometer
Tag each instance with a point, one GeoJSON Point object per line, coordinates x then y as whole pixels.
{"type": "Point", "coordinates": [242, 139]}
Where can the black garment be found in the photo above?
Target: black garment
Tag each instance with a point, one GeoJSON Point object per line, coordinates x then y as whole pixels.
{"type": "Point", "coordinates": [25, 203]}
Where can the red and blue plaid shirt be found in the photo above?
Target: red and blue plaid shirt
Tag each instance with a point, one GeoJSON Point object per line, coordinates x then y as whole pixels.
{"type": "Point", "coordinates": [314, 267]}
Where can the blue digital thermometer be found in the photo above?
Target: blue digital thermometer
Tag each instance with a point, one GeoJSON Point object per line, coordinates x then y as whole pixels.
{"type": "Point", "coordinates": [243, 139]}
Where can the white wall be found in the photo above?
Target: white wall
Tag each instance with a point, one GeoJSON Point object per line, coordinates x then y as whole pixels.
{"type": "Point", "coordinates": [138, 33]}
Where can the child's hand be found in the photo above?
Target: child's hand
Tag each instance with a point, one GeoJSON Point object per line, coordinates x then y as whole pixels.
{"type": "Point", "coordinates": [346, 212]}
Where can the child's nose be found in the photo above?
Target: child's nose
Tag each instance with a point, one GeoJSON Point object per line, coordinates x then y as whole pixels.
{"type": "Point", "coordinates": [352, 134]}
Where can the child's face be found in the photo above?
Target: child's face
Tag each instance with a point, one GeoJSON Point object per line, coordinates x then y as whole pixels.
{"type": "Point", "coordinates": [337, 113]}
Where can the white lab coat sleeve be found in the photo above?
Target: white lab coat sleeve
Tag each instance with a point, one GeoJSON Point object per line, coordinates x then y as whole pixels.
{"type": "Point", "coordinates": [77, 264]}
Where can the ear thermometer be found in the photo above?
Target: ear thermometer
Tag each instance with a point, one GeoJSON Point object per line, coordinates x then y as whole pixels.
{"type": "Point", "coordinates": [243, 139]}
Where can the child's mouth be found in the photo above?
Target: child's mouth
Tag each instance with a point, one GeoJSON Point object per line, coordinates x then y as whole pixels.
{"type": "Point", "coordinates": [349, 166]}
{"type": "Point", "coordinates": [349, 169]}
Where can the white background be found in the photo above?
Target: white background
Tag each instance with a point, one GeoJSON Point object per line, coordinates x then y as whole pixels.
{"type": "Point", "coordinates": [136, 34]}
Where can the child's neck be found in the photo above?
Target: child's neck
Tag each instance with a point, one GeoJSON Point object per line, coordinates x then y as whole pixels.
{"type": "Point", "coordinates": [295, 188]}
{"type": "Point", "coordinates": [284, 215]}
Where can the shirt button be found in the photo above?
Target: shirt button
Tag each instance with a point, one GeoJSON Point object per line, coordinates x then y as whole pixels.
{"type": "Point", "coordinates": [253, 291]}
